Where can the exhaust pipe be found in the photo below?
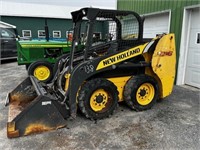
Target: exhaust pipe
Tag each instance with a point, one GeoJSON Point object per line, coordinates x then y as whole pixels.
{"type": "Point", "coordinates": [46, 31]}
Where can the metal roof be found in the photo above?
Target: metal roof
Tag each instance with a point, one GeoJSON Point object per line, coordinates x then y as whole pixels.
{"type": "Point", "coordinates": [6, 25]}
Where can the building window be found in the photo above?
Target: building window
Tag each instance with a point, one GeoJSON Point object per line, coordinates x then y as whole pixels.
{"type": "Point", "coordinates": [198, 38]}
{"type": "Point", "coordinates": [26, 33]}
{"type": "Point", "coordinates": [56, 34]}
{"type": "Point", "coordinates": [41, 34]}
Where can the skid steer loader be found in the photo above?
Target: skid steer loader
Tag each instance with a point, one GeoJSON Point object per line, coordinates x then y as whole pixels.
{"type": "Point", "coordinates": [109, 62]}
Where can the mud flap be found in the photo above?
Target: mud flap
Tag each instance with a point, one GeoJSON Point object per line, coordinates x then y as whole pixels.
{"type": "Point", "coordinates": [33, 110]}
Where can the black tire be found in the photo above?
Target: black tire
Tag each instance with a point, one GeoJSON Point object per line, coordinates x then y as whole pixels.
{"type": "Point", "coordinates": [105, 103]}
{"type": "Point", "coordinates": [45, 76]}
{"type": "Point", "coordinates": [141, 92]}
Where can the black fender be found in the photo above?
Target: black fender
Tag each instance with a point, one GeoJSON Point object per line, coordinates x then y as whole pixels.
{"type": "Point", "coordinates": [80, 74]}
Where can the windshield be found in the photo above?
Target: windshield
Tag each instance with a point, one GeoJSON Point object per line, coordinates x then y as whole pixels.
{"type": "Point", "coordinates": [98, 32]}
{"type": "Point", "coordinates": [109, 29]}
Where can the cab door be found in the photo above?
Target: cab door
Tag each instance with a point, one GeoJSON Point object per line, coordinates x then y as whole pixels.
{"type": "Point", "coordinates": [8, 43]}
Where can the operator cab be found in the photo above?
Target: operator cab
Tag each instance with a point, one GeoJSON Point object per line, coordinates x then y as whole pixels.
{"type": "Point", "coordinates": [98, 32]}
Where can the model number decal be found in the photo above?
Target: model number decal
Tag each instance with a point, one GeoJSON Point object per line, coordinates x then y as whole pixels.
{"type": "Point", "coordinates": [165, 53]}
{"type": "Point", "coordinates": [89, 68]}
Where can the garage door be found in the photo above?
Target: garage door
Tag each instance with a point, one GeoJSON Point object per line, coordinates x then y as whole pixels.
{"type": "Point", "coordinates": [192, 74]}
{"type": "Point", "coordinates": [156, 24]}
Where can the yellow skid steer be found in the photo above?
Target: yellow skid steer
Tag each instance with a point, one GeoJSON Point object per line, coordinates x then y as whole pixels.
{"type": "Point", "coordinates": [109, 62]}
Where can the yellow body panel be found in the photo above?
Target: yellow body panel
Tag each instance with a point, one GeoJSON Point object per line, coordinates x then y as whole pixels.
{"type": "Point", "coordinates": [130, 53]}
{"type": "Point", "coordinates": [120, 82]}
{"type": "Point", "coordinates": [164, 63]}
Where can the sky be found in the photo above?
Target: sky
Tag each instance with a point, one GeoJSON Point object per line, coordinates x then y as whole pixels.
{"type": "Point", "coordinates": [73, 3]}
{"type": "Point", "coordinates": [50, 8]}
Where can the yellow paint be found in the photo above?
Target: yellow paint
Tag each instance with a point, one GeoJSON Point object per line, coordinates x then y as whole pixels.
{"type": "Point", "coordinates": [120, 82]}
{"type": "Point", "coordinates": [11, 131]}
{"type": "Point", "coordinates": [164, 63]}
{"type": "Point", "coordinates": [39, 46]}
{"type": "Point", "coordinates": [130, 53]}
{"type": "Point", "coordinates": [130, 36]}
{"type": "Point", "coordinates": [67, 77]}
{"type": "Point", "coordinates": [11, 126]}
{"type": "Point", "coordinates": [99, 106]}
{"type": "Point", "coordinates": [145, 94]}
{"type": "Point", "coordinates": [149, 71]}
{"type": "Point", "coordinates": [42, 73]}
{"type": "Point", "coordinates": [37, 128]}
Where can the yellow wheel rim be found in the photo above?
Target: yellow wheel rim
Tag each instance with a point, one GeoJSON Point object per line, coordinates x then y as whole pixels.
{"type": "Point", "coordinates": [42, 73]}
{"type": "Point", "coordinates": [145, 94]}
{"type": "Point", "coordinates": [99, 100]}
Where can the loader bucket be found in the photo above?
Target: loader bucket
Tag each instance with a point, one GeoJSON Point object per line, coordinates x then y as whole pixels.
{"type": "Point", "coordinates": [33, 110]}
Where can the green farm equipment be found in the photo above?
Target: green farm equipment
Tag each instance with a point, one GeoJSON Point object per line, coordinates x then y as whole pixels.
{"type": "Point", "coordinates": [39, 57]}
